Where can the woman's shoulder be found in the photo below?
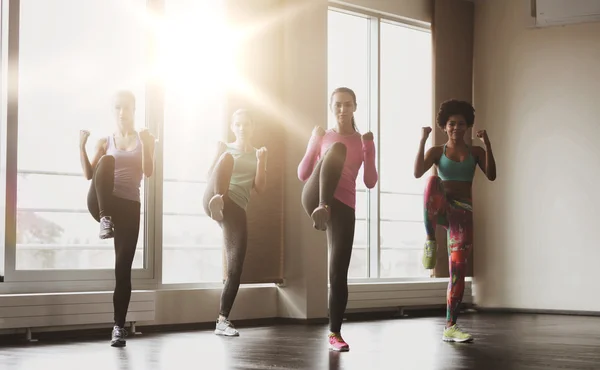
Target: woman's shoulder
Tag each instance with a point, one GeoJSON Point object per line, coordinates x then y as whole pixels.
{"type": "Point", "coordinates": [436, 151]}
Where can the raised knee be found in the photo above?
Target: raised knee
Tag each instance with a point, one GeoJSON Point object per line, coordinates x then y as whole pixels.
{"type": "Point", "coordinates": [106, 159]}
{"type": "Point", "coordinates": [226, 159]}
{"type": "Point", "coordinates": [338, 148]}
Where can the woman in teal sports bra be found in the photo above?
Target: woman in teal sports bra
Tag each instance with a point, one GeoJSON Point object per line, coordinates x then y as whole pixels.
{"type": "Point", "coordinates": [448, 198]}
{"type": "Point", "coordinates": [237, 169]}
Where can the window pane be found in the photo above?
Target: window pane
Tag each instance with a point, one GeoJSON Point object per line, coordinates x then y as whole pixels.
{"type": "Point", "coordinates": [401, 249]}
{"type": "Point", "coordinates": [348, 61]}
{"type": "Point", "coordinates": [350, 34]}
{"type": "Point", "coordinates": [401, 207]}
{"type": "Point", "coordinates": [194, 122]}
{"type": "Point", "coordinates": [358, 261]}
{"type": "Point", "coordinates": [402, 236]}
{"type": "Point", "coordinates": [406, 106]}
{"type": "Point", "coordinates": [67, 81]}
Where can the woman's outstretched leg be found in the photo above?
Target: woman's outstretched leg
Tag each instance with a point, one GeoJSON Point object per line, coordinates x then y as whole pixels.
{"type": "Point", "coordinates": [340, 236]}
{"type": "Point", "coordinates": [235, 235]}
{"type": "Point", "coordinates": [460, 244]}
{"type": "Point", "coordinates": [100, 196]}
{"type": "Point", "coordinates": [318, 191]}
{"type": "Point", "coordinates": [434, 214]}
{"type": "Point", "coordinates": [217, 187]}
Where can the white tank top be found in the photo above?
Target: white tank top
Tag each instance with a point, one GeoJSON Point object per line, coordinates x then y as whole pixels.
{"type": "Point", "coordinates": [128, 169]}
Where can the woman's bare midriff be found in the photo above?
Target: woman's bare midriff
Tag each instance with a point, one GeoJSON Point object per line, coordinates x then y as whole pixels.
{"type": "Point", "coordinates": [458, 189]}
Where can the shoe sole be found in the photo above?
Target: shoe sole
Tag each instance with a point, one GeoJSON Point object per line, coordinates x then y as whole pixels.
{"type": "Point", "coordinates": [445, 339]}
{"type": "Point", "coordinates": [320, 217]}
{"type": "Point", "coordinates": [345, 349]}
{"type": "Point", "coordinates": [222, 333]}
{"type": "Point", "coordinates": [108, 235]}
{"type": "Point", "coordinates": [215, 206]}
{"type": "Point", "coordinates": [118, 344]}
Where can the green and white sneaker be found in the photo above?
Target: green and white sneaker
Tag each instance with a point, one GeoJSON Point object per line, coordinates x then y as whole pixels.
{"type": "Point", "coordinates": [454, 334]}
{"type": "Point", "coordinates": [429, 254]}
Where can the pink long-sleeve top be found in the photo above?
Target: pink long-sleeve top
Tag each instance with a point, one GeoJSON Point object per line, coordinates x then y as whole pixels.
{"type": "Point", "coordinates": [357, 153]}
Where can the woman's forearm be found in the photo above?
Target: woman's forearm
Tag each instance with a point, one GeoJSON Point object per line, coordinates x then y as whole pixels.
{"type": "Point", "coordinates": [260, 180]}
{"type": "Point", "coordinates": [420, 160]}
{"type": "Point", "coordinates": [148, 160]}
{"type": "Point", "coordinates": [490, 163]}
{"type": "Point", "coordinates": [86, 166]}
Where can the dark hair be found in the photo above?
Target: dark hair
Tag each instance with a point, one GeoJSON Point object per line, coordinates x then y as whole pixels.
{"type": "Point", "coordinates": [352, 94]}
{"type": "Point", "coordinates": [455, 107]}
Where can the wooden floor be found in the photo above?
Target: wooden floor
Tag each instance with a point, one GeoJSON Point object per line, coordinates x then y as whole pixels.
{"type": "Point", "coordinates": [509, 341]}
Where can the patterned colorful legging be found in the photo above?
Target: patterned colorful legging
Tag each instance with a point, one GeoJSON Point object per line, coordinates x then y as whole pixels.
{"type": "Point", "coordinates": [457, 217]}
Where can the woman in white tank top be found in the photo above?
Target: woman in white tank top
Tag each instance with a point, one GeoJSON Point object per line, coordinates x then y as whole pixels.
{"type": "Point", "coordinates": [117, 168]}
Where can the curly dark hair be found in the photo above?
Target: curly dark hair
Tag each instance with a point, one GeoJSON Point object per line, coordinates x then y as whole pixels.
{"type": "Point", "coordinates": [455, 107]}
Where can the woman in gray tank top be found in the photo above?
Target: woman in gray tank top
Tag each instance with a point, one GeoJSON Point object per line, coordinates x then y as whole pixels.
{"type": "Point", "coordinates": [236, 170]}
{"type": "Point", "coordinates": [117, 168]}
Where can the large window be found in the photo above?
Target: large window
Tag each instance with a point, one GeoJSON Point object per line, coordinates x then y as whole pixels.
{"type": "Point", "coordinates": [66, 82]}
{"type": "Point", "coordinates": [194, 121]}
{"type": "Point", "coordinates": [388, 65]}
{"type": "Point", "coordinates": [62, 66]}
{"type": "Point", "coordinates": [406, 105]}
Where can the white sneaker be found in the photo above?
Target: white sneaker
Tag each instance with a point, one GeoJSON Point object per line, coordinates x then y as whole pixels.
{"type": "Point", "coordinates": [226, 328]}
{"type": "Point", "coordinates": [215, 206]}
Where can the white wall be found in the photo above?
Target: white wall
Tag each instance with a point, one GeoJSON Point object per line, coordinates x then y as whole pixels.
{"type": "Point", "coordinates": [536, 91]}
{"type": "Point", "coordinates": [305, 97]}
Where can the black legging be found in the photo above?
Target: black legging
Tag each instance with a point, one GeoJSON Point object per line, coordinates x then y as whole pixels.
{"type": "Point", "coordinates": [125, 216]}
{"type": "Point", "coordinates": [235, 230]}
{"type": "Point", "coordinates": [320, 188]}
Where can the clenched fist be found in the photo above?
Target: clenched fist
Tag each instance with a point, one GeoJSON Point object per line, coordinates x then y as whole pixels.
{"type": "Point", "coordinates": [425, 131]}
{"type": "Point", "coordinates": [146, 137]}
{"type": "Point", "coordinates": [261, 154]}
{"type": "Point", "coordinates": [483, 136]}
{"type": "Point", "coordinates": [368, 136]}
{"type": "Point", "coordinates": [318, 131]}
{"type": "Point", "coordinates": [83, 137]}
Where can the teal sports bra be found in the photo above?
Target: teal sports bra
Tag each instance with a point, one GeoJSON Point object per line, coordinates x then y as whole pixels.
{"type": "Point", "coordinates": [449, 170]}
{"type": "Point", "coordinates": [242, 178]}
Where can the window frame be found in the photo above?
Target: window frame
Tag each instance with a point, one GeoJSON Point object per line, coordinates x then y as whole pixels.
{"type": "Point", "coordinates": [374, 195]}
{"type": "Point", "coordinates": [100, 278]}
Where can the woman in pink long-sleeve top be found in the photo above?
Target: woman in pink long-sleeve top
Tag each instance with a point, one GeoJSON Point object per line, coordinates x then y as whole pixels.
{"type": "Point", "coordinates": [330, 168]}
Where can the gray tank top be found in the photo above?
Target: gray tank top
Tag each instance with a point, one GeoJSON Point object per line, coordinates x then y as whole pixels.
{"type": "Point", "coordinates": [128, 169]}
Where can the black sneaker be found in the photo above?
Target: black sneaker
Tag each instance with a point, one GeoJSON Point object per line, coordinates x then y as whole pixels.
{"type": "Point", "coordinates": [106, 228]}
{"type": "Point", "coordinates": [118, 337]}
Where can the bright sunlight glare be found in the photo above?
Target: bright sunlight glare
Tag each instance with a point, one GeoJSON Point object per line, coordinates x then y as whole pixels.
{"type": "Point", "coordinates": [195, 45]}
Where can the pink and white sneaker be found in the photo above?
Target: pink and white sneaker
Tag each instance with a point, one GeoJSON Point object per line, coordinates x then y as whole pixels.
{"type": "Point", "coordinates": [337, 343]}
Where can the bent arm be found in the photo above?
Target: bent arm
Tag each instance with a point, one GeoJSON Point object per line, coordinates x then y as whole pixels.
{"type": "Point", "coordinates": [486, 161]}
{"type": "Point", "coordinates": [370, 175]}
{"type": "Point", "coordinates": [424, 161]}
{"type": "Point", "coordinates": [260, 180]}
{"type": "Point", "coordinates": [86, 166]}
{"type": "Point", "coordinates": [148, 158]}
{"type": "Point", "coordinates": [307, 164]}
